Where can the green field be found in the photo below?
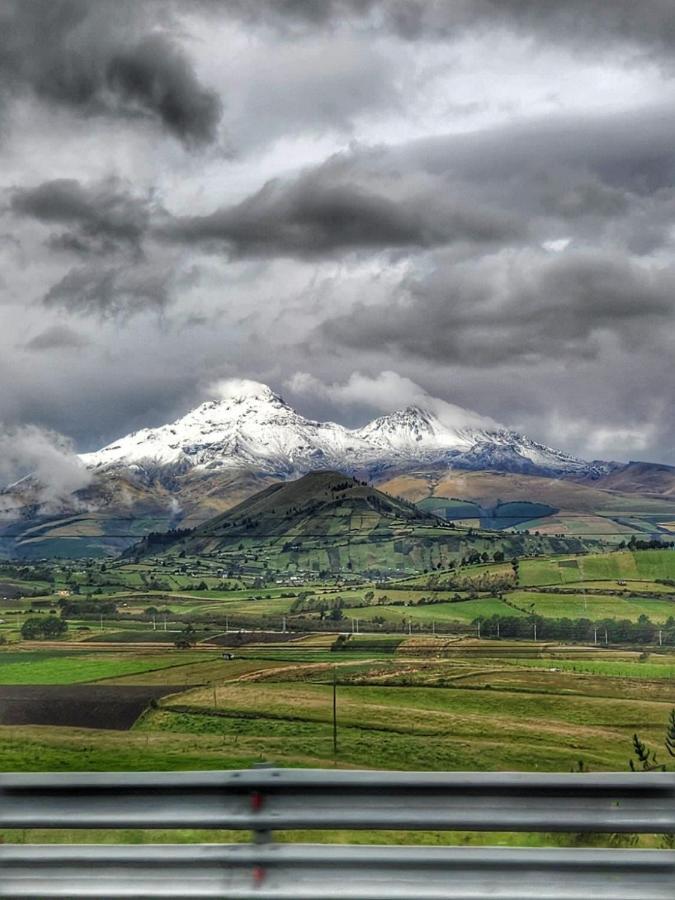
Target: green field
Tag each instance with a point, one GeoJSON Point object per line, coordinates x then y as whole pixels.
{"type": "Point", "coordinates": [405, 698]}
{"type": "Point", "coordinates": [465, 611]}
{"type": "Point", "coordinates": [592, 606]}
{"type": "Point", "coordinates": [610, 668]}
{"type": "Point", "coordinates": [486, 706]}
{"type": "Point", "coordinates": [38, 667]}
{"type": "Point", "coordinates": [621, 564]}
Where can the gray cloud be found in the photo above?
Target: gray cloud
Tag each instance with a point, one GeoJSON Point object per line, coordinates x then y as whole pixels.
{"type": "Point", "coordinates": [56, 337]}
{"type": "Point", "coordinates": [583, 25]}
{"type": "Point", "coordinates": [610, 178]}
{"type": "Point", "coordinates": [339, 208]}
{"type": "Point", "coordinates": [112, 291]}
{"type": "Point", "coordinates": [595, 180]}
{"type": "Point", "coordinates": [48, 456]}
{"type": "Point", "coordinates": [100, 218]}
{"type": "Point", "coordinates": [106, 59]}
{"type": "Point", "coordinates": [526, 308]}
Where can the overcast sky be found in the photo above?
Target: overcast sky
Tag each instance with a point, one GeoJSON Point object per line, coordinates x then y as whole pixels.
{"type": "Point", "coordinates": [354, 201]}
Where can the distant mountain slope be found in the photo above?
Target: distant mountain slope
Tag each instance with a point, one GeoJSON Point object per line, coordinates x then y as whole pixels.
{"type": "Point", "coordinates": [640, 478]}
{"type": "Point", "coordinates": [489, 487]}
{"type": "Point", "coordinates": [589, 507]}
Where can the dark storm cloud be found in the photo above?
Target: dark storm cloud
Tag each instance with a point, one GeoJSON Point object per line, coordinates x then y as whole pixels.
{"type": "Point", "coordinates": [56, 337]}
{"type": "Point", "coordinates": [337, 208]}
{"type": "Point", "coordinates": [107, 59]}
{"type": "Point", "coordinates": [526, 308]}
{"type": "Point", "coordinates": [123, 291]}
{"type": "Point", "coordinates": [100, 218]}
{"type": "Point", "coordinates": [580, 23]}
{"type": "Point", "coordinates": [598, 179]}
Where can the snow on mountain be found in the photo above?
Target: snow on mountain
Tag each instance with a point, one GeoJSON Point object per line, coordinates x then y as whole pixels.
{"type": "Point", "coordinates": [252, 427]}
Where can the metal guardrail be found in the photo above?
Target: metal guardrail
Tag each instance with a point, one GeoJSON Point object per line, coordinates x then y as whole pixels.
{"type": "Point", "coordinates": [318, 872]}
{"type": "Point", "coordinates": [264, 800]}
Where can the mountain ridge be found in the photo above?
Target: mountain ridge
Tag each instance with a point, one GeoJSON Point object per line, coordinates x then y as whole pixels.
{"type": "Point", "coordinates": [257, 429]}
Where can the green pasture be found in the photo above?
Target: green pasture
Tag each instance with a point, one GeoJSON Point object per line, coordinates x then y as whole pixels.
{"type": "Point", "coordinates": [36, 667]}
{"type": "Point", "coordinates": [424, 728]}
{"type": "Point", "coordinates": [620, 565]}
{"type": "Point", "coordinates": [463, 611]}
{"type": "Point", "coordinates": [654, 668]}
{"type": "Point", "coordinates": [592, 606]}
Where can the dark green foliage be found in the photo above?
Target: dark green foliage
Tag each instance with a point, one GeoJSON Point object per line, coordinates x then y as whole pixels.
{"type": "Point", "coordinates": [645, 759]}
{"type": "Point", "coordinates": [616, 631]}
{"type": "Point", "coordinates": [80, 609]}
{"type": "Point", "coordinates": [670, 733]}
{"type": "Point", "coordinates": [43, 628]}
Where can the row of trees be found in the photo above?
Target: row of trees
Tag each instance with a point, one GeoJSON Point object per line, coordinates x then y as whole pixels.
{"type": "Point", "coordinates": [613, 631]}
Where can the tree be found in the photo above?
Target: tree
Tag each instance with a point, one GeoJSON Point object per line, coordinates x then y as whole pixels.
{"type": "Point", "coordinates": [41, 628]}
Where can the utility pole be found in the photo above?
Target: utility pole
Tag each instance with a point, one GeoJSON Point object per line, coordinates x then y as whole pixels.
{"type": "Point", "coordinates": [535, 630]}
{"type": "Point", "coordinates": [595, 635]}
{"type": "Point", "coordinates": [606, 637]}
{"type": "Point", "coordinates": [497, 630]}
{"type": "Point", "coordinates": [164, 621]}
{"type": "Point", "coordinates": [660, 638]}
{"type": "Point", "coordinates": [154, 624]}
{"type": "Point", "coordinates": [335, 738]}
{"type": "Point", "coordinates": [409, 626]}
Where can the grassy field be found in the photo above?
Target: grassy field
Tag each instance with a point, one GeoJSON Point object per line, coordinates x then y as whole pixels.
{"type": "Point", "coordinates": [465, 611]}
{"type": "Point", "coordinates": [39, 667]}
{"type": "Point", "coordinates": [483, 707]}
{"type": "Point", "coordinates": [658, 669]}
{"type": "Point", "coordinates": [622, 564]}
{"type": "Point", "coordinates": [592, 606]}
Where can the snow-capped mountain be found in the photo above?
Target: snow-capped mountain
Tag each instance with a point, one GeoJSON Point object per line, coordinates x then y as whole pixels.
{"type": "Point", "coordinates": [253, 428]}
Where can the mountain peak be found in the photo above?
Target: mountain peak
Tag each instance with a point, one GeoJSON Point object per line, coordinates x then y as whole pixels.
{"type": "Point", "coordinates": [243, 390]}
